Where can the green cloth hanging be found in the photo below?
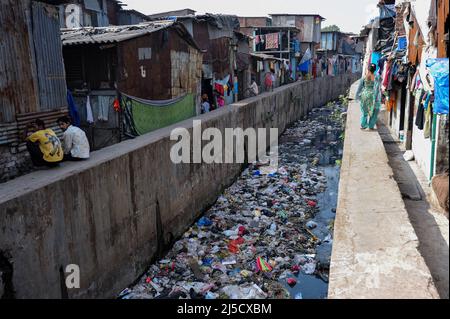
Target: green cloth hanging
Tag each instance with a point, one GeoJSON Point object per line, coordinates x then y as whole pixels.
{"type": "Point", "coordinates": [145, 116]}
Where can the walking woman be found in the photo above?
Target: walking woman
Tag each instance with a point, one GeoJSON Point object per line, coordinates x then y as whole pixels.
{"type": "Point", "coordinates": [370, 96]}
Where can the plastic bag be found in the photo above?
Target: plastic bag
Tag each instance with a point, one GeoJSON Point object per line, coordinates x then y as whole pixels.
{"type": "Point", "coordinates": [439, 70]}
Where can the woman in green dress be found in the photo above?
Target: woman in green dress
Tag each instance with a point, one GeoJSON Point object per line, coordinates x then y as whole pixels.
{"type": "Point", "coordinates": [369, 95]}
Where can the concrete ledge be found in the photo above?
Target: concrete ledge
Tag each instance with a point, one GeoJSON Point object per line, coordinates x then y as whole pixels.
{"type": "Point", "coordinates": [116, 212]}
{"type": "Point", "coordinates": [375, 252]}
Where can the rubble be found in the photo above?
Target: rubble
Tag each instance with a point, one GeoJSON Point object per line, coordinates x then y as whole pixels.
{"type": "Point", "coordinates": [260, 235]}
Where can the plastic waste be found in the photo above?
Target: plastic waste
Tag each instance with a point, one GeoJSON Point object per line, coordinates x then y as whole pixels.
{"type": "Point", "coordinates": [247, 244]}
{"type": "Point", "coordinates": [204, 221]}
{"type": "Point", "coordinates": [311, 224]}
{"type": "Point", "coordinates": [408, 156]}
{"type": "Point", "coordinates": [298, 296]}
{"type": "Point", "coordinates": [262, 265]}
{"type": "Point", "coordinates": [291, 282]}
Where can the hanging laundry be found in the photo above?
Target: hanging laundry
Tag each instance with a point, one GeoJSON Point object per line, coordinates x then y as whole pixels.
{"type": "Point", "coordinates": [116, 105]}
{"type": "Point", "coordinates": [103, 108]}
{"type": "Point", "coordinates": [428, 121]}
{"type": "Point", "coordinates": [306, 57]}
{"type": "Point", "coordinates": [272, 41]}
{"type": "Point", "coordinates": [402, 43]}
{"type": "Point", "coordinates": [420, 116]}
{"type": "Point", "coordinates": [89, 114]}
{"type": "Point", "coordinates": [219, 88]}
{"type": "Point", "coordinates": [392, 102]}
{"type": "Point", "coordinates": [73, 112]}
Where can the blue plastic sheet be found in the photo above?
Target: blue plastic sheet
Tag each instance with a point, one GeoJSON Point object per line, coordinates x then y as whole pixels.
{"type": "Point", "coordinates": [439, 70]}
{"type": "Point", "coordinates": [204, 221]}
{"type": "Point", "coordinates": [304, 67]}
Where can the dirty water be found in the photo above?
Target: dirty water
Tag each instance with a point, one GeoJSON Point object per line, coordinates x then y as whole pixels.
{"type": "Point", "coordinates": [269, 235]}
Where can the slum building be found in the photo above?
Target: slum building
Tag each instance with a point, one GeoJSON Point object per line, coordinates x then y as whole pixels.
{"type": "Point", "coordinates": [156, 64]}
{"type": "Point", "coordinates": [279, 42]}
{"type": "Point", "coordinates": [262, 64]}
{"type": "Point", "coordinates": [338, 54]}
{"type": "Point", "coordinates": [247, 24]}
{"type": "Point", "coordinates": [225, 69]}
{"type": "Point", "coordinates": [32, 78]}
{"type": "Point", "coordinates": [309, 37]}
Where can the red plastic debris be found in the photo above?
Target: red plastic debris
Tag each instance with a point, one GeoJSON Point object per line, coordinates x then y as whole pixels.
{"type": "Point", "coordinates": [295, 269]}
{"type": "Point", "coordinates": [241, 230]}
{"type": "Point", "coordinates": [312, 203]}
{"type": "Point", "coordinates": [148, 280]}
{"type": "Point", "coordinates": [291, 282]}
{"type": "Point", "coordinates": [233, 246]}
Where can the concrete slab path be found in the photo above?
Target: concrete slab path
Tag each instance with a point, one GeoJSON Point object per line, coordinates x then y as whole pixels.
{"type": "Point", "coordinates": [375, 251]}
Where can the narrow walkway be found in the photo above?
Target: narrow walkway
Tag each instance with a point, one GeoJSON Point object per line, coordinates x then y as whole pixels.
{"type": "Point", "coordinates": [430, 225]}
{"type": "Point", "coordinates": [375, 252]}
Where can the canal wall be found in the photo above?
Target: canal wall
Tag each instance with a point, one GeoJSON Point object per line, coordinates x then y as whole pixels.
{"type": "Point", "coordinates": [112, 215]}
{"type": "Point", "coordinates": [375, 251]}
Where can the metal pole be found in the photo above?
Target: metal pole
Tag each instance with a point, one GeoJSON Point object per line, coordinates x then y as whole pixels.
{"type": "Point", "coordinates": [433, 145]}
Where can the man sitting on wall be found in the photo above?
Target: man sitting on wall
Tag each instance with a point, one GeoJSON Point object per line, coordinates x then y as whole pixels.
{"type": "Point", "coordinates": [76, 144]}
{"type": "Point", "coordinates": [43, 145]}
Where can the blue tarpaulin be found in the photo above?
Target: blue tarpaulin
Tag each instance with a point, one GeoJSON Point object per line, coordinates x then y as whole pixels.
{"type": "Point", "coordinates": [439, 70]}
{"type": "Point", "coordinates": [304, 67]}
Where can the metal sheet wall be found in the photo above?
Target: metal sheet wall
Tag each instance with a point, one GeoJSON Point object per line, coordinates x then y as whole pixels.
{"type": "Point", "coordinates": [18, 88]}
{"type": "Point", "coordinates": [49, 58]}
{"type": "Point", "coordinates": [149, 78]}
{"type": "Point", "coordinates": [32, 77]}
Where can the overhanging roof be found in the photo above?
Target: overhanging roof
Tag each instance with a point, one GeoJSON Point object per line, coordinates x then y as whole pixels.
{"type": "Point", "coordinates": [116, 34]}
{"type": "Point", "coordinates": [297, 15]}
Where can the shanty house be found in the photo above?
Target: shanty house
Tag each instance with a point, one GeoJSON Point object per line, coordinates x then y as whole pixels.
{"type": "Point", "coordinates": [341, 48]}
{"type": "Point", "coordinates": [310, 26]}
{"type": "Point", "coordinates": [226, 60]}
{"type": "Point", "coordinates": [155, 61]}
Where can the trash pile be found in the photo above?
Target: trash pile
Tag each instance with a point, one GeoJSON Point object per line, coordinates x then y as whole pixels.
{"type": "Point", "coordinates": [260, 234]}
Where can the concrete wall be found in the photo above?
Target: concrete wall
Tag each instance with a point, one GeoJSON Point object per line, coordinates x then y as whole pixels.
{"type": "Point", "coordinates": [116, 212]}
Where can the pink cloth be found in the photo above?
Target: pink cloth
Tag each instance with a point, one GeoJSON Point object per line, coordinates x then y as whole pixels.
{"type": "Point", "coordinates": [272, 41]}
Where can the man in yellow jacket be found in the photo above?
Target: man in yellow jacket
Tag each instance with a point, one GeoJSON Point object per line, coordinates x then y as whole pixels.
{"type": "Point", "coordinates": [43, 145]}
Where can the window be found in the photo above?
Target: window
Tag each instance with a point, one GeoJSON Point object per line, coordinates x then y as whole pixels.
{"type": "Point", "coordinates": [145, 53]}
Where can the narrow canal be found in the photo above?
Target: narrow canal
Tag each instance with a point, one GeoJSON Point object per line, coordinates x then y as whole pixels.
{"type": "Point", "coordinates": [269, 235]}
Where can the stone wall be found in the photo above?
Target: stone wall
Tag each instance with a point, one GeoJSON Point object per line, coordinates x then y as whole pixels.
{"type": "Point", "coordinates": [13, 162]}
{"type": "Point", "coordinates": [114, 214]}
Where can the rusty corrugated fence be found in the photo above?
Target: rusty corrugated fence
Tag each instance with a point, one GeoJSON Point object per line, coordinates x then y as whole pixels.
{"type": "Point", "coordinates": [32, 76]}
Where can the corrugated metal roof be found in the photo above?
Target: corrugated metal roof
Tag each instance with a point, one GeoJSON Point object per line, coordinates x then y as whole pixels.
{"type": "Point", "coordinates": [115, 34]}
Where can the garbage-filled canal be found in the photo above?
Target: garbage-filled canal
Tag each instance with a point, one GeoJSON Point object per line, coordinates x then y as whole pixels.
{"type": "Point", "coordinates": [269, 235]}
